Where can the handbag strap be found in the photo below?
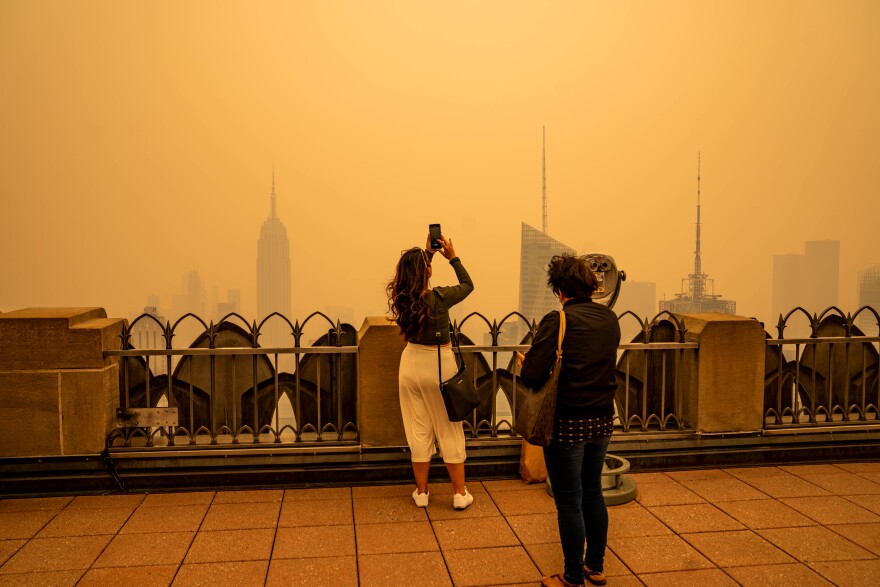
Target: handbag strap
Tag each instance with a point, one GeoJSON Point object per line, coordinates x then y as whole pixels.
{"type": "Point", "coordinates": [561, 334]}
{"type": "Point", "coordinates": [439, 372]}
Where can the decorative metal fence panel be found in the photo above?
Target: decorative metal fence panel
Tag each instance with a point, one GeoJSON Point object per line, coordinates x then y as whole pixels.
{"type": "Point", "coordinates": [229, 390]}
{"type": "Point", "coordinates": [827, 378]}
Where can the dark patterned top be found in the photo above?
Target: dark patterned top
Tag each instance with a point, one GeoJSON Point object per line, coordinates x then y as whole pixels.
{"type": "Point", "coordinates": [568, 432]}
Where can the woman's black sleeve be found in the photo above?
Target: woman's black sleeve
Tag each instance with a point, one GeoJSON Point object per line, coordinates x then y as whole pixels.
{"type": "Point", "coordinates": [541, 357]}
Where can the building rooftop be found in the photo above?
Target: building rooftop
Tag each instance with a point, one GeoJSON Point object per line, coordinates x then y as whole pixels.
{"type": "Point", "coordinates": [792, 525]}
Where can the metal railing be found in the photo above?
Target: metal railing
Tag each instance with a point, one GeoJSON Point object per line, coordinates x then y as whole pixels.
{"type": "Point", "coordinates": [828, 378]}
{"type": "Point", "coordinates": [228, 390]}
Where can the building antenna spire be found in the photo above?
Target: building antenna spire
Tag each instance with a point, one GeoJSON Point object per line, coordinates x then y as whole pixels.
{"type": "Point", "coordinates": [698, 262]}
{"type": "Point", "coordinates": [273, 213]}
{"type": "Point", "coordinates": [544, 177]}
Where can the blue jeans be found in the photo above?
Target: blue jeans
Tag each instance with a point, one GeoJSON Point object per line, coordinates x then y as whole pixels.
{"type": "Point", "coordinates": [576, 476]}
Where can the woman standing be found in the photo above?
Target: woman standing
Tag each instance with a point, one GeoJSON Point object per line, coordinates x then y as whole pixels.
{"type": "Point", "coordinates": [584, 415]}
{"type": "Point", "coordinates": [422, 313]}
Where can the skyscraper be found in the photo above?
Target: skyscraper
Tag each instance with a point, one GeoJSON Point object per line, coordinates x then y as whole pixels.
{"type": "Point", "coordinates": [698, 295]}
{"type": "Point", "coordinates": [810, 280]}
{"type": "Point", "coordinates": [537, 247]}
{"type": "Point", "coordinates": [273, 273]}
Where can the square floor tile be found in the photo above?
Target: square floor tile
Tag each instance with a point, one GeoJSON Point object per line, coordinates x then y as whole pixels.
{"type": "Point", "coordinates": [814, 544]}
{"type": "Point", "coordinates": [736, 548]}
{"type": "Point", "coordinates": [131, 550]}
{"type": "Point", "coordinates": [865, 535]}
{"type": "Point", "coordinates": [42, 579]}
{"type": "Point", "coordinates": [56, 554]}
{"type": "Point", "coordinates": [535, 528]}
{"type": "Point", "coordinates": [172, 518]}
{"type": "Point", "coordinates": [801, 470]}
{"type": "Point", "coordinates": [698, 517]}
{"type": "Point", "coordinates": [24, 524]}
{"type": "Point", "coordinates": [491, 566]}
{"type": "Point", "coordinates": [743, 473]}
{"type": "Point", "coordinates": [316, 493]}
{"type": "Point", "coordinates": [765, 513]}
{"type": "Point", "coordinates": [729, 489]}
{"type": "Point", "coordinates": [440, 507]}
{"type": "Point", "coordinates": [859, 468]}
{"type": "Point", "coordinates": [310, 572]}
{"type": "Point", "coordinates": [34, 503]}
{"type": "Point", "coordinates": [152, 576]}
{"type": "Point", "coordinates": [655, 554]}
{"type": "Point", "coordinates": [649, 477]}
{"type": "Point", "coordinates": [8, 548]}
{"type": "Point", "coordinates": [850, 573]}
{"type": "Point", "coordinates": [240, 574]}
{"type": "Point", "coordinates": [634, 521]}
{"type": "Point", "coordinates": [107, 501]}
{"type": "Point", "coordinates": [474, 533]}
{"type": "Point", "coordinates": [665, 493]}
{"type": "Point", "coordinates": [395, 538]}
{"type": "Point", "coordinates": [517, 503]}
{"type": "Point", "coordinates": [779, 486]}
{"type": "Point", "coordinates": [312, 541]}
{"type": "Point", "coordinates": [231, 545]}
{"type": "Point", "coordinates": [236, 516]}
{"type": "Point", "coordinates": [713, 577]}
{"type": "Point", "coordinates": [831, 510]}
{"type": "Point", "coordinates": [698, 475]}
{"type": "Point", "coordinates": [391, 509]}
{"type": "Point", "coordinates": [416, 568]}
{"type": "Point", "coordinates": [844, 483]}
{"type": "Point", "coordinates": [792, 574]}
{"type": "Point", "coordinates": [190, 498]}
{"type": "Point", "coordinates": [84, 522]}
{"type": "Point", "coordinates": [252, 496]}
{"type": "Point", "coordinates": [869, 502]}
{"type": "Point", "coordinates": [313, 512]}
{"type": "Point", "coordinates": [377, 491]}
{"type": "Point", "coordinates": [513, 485]}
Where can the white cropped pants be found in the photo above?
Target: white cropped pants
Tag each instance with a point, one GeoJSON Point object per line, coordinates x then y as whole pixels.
{"type": "Point", "coordinates": [422, 407]}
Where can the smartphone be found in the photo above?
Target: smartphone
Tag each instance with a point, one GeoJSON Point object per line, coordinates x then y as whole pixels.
{"type": "Point", "coordinates": [434, 233]}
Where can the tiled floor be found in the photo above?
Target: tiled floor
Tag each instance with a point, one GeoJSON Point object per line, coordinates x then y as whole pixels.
{"type": "Point", "coordinates": [792, 525]}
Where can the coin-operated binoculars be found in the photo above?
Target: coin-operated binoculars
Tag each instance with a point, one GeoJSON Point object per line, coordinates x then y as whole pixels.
{"type": "Point", "coordinates": [610, 278]}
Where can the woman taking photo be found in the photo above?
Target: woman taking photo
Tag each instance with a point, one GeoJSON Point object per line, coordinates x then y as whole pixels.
{"type": "Point", "coordinates": [422, 313]}
{"type": "Point", "coordinates": [584, 415]}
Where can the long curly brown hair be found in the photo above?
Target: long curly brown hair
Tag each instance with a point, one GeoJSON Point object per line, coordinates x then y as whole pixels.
{"type": "Point", "coordinates": [407, 291]}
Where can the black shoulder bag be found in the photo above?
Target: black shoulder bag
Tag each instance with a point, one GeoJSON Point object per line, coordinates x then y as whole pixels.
{"type": "Point", "coordinates": [458, 391]}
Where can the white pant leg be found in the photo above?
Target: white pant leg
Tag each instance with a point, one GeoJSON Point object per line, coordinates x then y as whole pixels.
{"type": "Point", "coordinates": [422, 407]}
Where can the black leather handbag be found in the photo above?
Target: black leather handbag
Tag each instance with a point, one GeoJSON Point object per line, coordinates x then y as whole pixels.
{"type": "Point", "coordinates": [458, 391]}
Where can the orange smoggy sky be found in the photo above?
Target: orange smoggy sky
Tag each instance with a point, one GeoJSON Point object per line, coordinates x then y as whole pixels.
{"type": "Point", "coordinates": [137, 141]}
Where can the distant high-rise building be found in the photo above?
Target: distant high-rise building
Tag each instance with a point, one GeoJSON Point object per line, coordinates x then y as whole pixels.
{"type": "Point", "coordinates": [147, 334]}
{"type": "Point", "coordinates": [273, 274]}
{"type": "Point", "coordinates": [232, 303]}
{"type": "Point", "coordinates": [537, 248]}
{"type": "Point", "coordinates": [869, 295]}
{"type": "Point", "coordinates": [810, 281]}
{"type": "Point", "coordinates": [698, 291]}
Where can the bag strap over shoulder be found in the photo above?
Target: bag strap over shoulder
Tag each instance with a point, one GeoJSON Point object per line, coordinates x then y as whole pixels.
{"type": "Point", "coordinates": [561, 334]}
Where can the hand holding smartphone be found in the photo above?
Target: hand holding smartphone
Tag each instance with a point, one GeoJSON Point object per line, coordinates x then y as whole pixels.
{"type": "Point", "coordinates": [434, 234]}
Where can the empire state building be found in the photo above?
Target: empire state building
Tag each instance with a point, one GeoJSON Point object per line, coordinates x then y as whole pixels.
{"type": "Point", "coordinates": [273, 269]}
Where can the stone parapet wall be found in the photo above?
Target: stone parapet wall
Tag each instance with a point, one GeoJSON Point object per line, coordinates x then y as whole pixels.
{"type": "Point", "coordinates": [58, 393]}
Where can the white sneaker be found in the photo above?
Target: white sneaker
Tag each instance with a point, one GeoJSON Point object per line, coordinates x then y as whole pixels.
{"type": "Point", "coordinates": [460, 502]}
{"type": "Point", "coordinates": [421, 499]}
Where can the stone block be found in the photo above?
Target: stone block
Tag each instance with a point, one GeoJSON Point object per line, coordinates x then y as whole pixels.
{"type": "Point", "coordinates": [57, 338]}
{"type": "Point", "coordinates": [724, 379]}
{"type": "Point", "coordinates": [88, 405]}
{"type": "Point", "coordinates": [378, 404]}
{"type": "Point", "coordinates": [29, 416]}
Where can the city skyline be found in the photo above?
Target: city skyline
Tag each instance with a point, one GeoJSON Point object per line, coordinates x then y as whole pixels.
{"type": "Point", "coordinates": [135, 137]}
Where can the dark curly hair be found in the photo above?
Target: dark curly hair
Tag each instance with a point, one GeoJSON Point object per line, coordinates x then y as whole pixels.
{"type": "Point", "coordinates": [572, 276]}
{"type": "Point", "coordinates": [407, 291]}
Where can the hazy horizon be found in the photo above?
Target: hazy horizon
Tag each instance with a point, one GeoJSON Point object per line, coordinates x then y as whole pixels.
{"type": "Point", "coordinates": [138, 142]}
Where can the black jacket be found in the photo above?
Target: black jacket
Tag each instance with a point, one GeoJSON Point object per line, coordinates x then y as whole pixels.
{"type": "Point", "coordinates": [439, 300]}
{"type": "Point", "coordinates": [587, 382]}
